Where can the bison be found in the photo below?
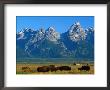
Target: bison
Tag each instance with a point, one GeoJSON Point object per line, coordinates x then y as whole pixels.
{"type": "Point", "coordinates": [53, 68]}
{"type": "Point", "coordinates": [23, 68]}
{"type": "Point", "coordinates": [61, 68]}
{"type": "Point", "coordinates": [87, 68]}
{"type": "Point", "coordinates": [26, 69]}
{"type": "Point", "coordinates": [43, 69]}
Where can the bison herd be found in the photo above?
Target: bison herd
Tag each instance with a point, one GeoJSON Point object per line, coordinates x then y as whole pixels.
{"type": "Point", "coordinates": [87, 68]}
{"type": "Point", "coordinates": [55, 68]}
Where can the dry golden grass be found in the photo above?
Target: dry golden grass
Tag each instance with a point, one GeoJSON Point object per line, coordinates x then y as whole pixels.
{"type": "Point", "coordinates": [33, 69]}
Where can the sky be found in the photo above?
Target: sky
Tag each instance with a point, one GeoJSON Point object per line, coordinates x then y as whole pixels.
{"type": "Point", "coordinates": [60, 23]}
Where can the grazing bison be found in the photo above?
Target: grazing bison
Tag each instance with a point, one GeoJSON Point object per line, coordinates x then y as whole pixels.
{"type": "Point", "coordinates": [87, 68]}
{"type": "Point", "coordinates": [52, 68]}
{"type": "Point", "coordinates": [23, 68]}
{"type": "Point", "coordinates": [64, 68]}
{"type": "Point", "coordinates": [26, 69]}
{"type": "Point", "coordinates": [43, 69]}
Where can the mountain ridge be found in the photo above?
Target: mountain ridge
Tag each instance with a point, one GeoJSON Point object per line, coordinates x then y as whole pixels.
{"type": "Point", "coordinates": [76, 42]}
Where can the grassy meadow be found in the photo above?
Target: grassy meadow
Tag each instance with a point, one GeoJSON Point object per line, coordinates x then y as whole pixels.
{"type": "Point", "coordinates": [33, 68]}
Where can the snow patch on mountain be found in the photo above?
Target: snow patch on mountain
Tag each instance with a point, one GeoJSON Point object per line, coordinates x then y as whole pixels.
{"type": "Point", "coordinates": [76, 32]}
{"type": "Point", "coordinates": [47, 41]}
{"type": "Point", "coordinates": [52, 35]}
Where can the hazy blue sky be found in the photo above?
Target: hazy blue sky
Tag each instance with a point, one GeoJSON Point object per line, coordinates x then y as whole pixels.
{"type": "Point", "coordinates": [60, 23]}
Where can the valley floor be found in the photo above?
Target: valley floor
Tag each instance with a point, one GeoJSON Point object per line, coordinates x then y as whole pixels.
{"type": "Point", "coordinates": [32, 68]}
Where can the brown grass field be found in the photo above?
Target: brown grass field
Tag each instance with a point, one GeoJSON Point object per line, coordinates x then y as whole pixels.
{"type": "Point", "coordinates": [33, 69]}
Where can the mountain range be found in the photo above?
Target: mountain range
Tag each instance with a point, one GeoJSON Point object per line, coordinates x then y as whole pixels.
{"type": "Point", "coordinates": [76, 42]}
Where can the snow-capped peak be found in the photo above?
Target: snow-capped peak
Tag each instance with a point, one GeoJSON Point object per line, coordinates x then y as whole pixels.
{"type": "Point", "coordinates": [25, 33]}
{"type": "Point", "coordinates": [76, 32]}
{"type": "Point", "coordinates": [42, 30]}
{"type": "Point", "coordinates": [52, 35]}
{"type": "Point", "coordinates": [51, 29]}
{"type": "Point", "coordinates": [89, 30]}
{"type": "Point", "coordinates": [77, 23]}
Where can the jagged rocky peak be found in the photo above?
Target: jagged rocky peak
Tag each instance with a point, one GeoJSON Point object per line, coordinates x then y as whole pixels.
{"type": "Point", "coordinates": [25, 33]}
{"type": "Point", "coordinates": [20, 35]}
{"type": "Point", "coordinates": [51, 29]}
{"type": "Point", "coordinates": [75, 27]}
{"type": "Point", "coordinates": [39, 35]}
{"type": "Point", "coordinates": [89, 30]}
{"type": "Point", "coordinates": [77, 24]}
{"type": "Point", "coordinates": [52, 35]}
{"type": "Point", "coordinates": [42, 30]}
{"type": "Point", "coordinates": [76, 32]}
{"type": "Point", "coordinates": [27, 30]}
